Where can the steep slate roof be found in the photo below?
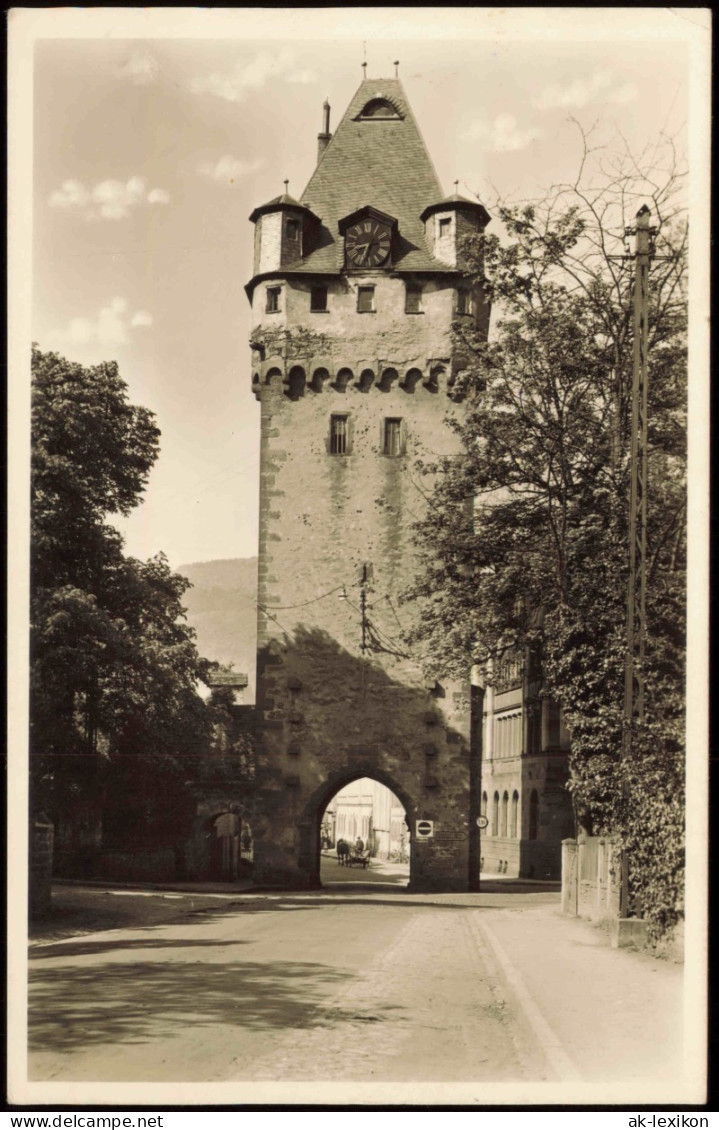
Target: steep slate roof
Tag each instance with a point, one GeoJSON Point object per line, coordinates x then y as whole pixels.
{"type": "Point", "coordinates": [383, 162]}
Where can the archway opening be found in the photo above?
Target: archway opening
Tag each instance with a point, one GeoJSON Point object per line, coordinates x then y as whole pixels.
{"type": "Point", "coordinates": [364, 836]}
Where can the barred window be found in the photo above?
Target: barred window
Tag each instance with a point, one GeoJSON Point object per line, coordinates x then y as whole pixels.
{"type": "Point", "coordinates": [464, 301]}
{"type": "Point", "coordinates": [339, 435]}
{"type": "Point", "coordinates": [393, 436]}
{"type": "Point", "coordinates": [413, 299]}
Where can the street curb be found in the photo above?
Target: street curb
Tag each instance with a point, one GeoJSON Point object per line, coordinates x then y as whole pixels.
{"type": "Point", "coordinates": [177, 888]}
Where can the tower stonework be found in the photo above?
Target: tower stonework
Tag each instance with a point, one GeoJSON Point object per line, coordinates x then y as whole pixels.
{"type": "Point", "coordinates": [354, 292]}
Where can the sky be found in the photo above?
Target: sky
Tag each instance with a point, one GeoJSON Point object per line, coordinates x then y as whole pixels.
{"type": "Point", "coordinates": [155, 133]}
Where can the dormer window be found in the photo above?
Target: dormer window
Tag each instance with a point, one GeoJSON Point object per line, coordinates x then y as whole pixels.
{"type": "Point", "coordinates": [445, 226]}
{"type": "Point", "coordinates": [292, 228]}
{"type": "Point", "coordinates": [379, 109]}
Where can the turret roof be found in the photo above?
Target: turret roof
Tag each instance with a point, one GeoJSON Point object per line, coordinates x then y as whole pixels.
{"type": "Point", "coordinates": [381, 161]}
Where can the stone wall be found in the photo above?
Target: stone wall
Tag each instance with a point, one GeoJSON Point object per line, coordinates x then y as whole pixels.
{"type": "Point", "coordinates": [141, 866]}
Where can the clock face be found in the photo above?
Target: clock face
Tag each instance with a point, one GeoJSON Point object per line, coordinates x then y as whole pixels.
{"type": "Point", "coordinates": [367, 244]}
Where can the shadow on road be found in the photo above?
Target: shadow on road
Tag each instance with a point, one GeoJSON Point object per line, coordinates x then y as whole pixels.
{"type": "Point", "coordinates": [73, 1007]}
{"type": "Point", "coordinates": [86, 949]}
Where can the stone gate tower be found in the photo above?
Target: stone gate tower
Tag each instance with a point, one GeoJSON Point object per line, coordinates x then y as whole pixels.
{"type": "Point", "coordinates": [354, 292]}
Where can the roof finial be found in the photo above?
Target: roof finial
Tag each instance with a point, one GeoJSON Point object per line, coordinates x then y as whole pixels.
{"type": "Point", "coordinates": [396, 68]}
{"type": "Point", "coordinates": [287, 184]}
{"type": "Point", "coordinates": [364, 70]}
{"type": "Point", "coordinates": [456, 188]}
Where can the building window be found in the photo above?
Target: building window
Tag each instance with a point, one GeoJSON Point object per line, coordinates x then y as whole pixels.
{"type": "Point", "coordinates": [339, 435]}
{"type": "Point", "coordinates": [413, 299]}
{"type": "Point", "coordinates": [483, 809]}
{"type": "Point", "coordinates": [464, 301]}
{"type": "Point", "coordinates": [533, 814]}
{"type": "Point", "coordinates": [445, 226]}
{"type": "Point", "coordinates": [505, 807]}
{"type": "Point", "coordinates": [365, 299]}
{"type": "Point", "coordinates": [318, 299]}
{"type": "Point", "coordinates": [273, 299]}
{"type": "Point", "coordinates": [392, 436]}
{"type": "Point", "coordinates": [495, 814]}
{"type": "Point", "coordinates": [292, 228]}
{"type": "Point", "coordinates": [513, 815]}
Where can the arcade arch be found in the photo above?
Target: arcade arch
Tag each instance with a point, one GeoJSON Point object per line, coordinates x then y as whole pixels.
{"type": "Point", "coordinates": [381, 817]}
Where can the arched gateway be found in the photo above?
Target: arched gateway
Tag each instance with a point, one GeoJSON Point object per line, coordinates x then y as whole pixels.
{"type": "Point", "coordinates": [363, 275]}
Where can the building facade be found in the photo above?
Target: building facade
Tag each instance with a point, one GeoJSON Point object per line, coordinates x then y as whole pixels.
{"type": "Point", "coordinates": [354, 292]}
{"type": "Point", "coordinates": [524, 774]}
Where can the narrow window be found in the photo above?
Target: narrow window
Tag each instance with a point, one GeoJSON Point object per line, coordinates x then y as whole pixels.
{"type": "Point", "coordinates": [338, 435]}
{"type": "Point", "coordinates": [293, 230]}
{"type": "Point", "coordinates": [393, 436]}
{"type": "Point", "coordinates": [365, 299]}
{"type": "Point", "coordinates": [513, 816]}
{"type": "Point", "coordinates": [484, 804]}
{"type": "Point", "coordinates": [533, 814]}
{"type": "Point", "coordinates": [273, 299]}
{"type": "Point", "coordinates": [413, 299]}
{"type": "Point", "coordinates": [318, 298]}
{"type": "Point", "coordinates": [505, 806]}
{"type": "Point", "coordinates": [495, 814]}
{"type": "Point", "coordinates": [464, 302]}
{"type": "Point", "coordinates": [445, 226]}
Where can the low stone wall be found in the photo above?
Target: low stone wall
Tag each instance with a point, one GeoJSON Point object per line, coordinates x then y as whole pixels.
{"type": "Point", "coordinates": [40, 877]}
{"type": "Point", "coordinates": [524, 859]}
{"type": "Point", "coordinates": [145, 866]}
{"type": "Point", "coordinates": [499, 856]}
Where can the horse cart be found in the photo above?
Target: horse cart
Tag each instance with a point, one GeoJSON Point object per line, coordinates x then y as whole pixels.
{"type": "Point", "coordinates": [347, 856]}
{"type": "Point", "coordinates": [357, 858]}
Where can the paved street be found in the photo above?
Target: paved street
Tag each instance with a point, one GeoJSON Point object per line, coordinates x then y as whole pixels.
{"type": "Point", "coordinates": [360, 981]}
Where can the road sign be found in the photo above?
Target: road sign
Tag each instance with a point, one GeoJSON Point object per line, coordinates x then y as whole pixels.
{"type": "Point", "coordinates": [424, 829]}
{"type": "Point", "coordinates": [482, 821]}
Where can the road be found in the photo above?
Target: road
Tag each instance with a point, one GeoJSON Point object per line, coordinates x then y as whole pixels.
{"type": "Point", "coordinates": [360, 981]}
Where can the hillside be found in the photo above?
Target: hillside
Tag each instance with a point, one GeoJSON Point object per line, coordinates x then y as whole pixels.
{"type": "Point", "coordinates": [221, 607]}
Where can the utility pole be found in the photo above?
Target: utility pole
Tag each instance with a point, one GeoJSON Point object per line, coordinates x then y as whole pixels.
{"type": "Point", "coordinates": [636, 622]}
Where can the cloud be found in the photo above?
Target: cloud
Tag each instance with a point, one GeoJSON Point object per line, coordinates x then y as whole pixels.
{"type": "Point", "coordinates": [71, 194]}
{"type": "Point", "coordinates": [141, 318]}
{"type": "Point", "coordinates": [502, 136]}
{"type": "Point", "coordinates": [110, 327]}
{"type": "Point", "coordinates": [141, 68]}
{"type": "Point", "coordinates": [108, 200]}
{"type": "Point", "coordinates": [266, 65]}
{"type": "Point", "coordinates": [598, 87]}
{"type": "Point", "coordinates": [229, 169]}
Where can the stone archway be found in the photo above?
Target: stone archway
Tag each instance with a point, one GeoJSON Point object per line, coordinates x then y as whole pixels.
{"type": "Point", "coordinates": [311, 817]}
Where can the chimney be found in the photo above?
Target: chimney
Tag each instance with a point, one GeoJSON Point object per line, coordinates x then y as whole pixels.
{"type": "Point", "coordinates": [323, 139]}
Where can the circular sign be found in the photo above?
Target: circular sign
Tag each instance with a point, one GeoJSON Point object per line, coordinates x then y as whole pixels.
{"type": "Point", "coordinates": [425, 829]}
{"type": "Point", "coordinates": [482, 821]}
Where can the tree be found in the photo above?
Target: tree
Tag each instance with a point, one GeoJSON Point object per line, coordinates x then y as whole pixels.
{"type": "Point", "coordinates": [116, 720]}
{"type": "Point", "coordinates": [525, 540]}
